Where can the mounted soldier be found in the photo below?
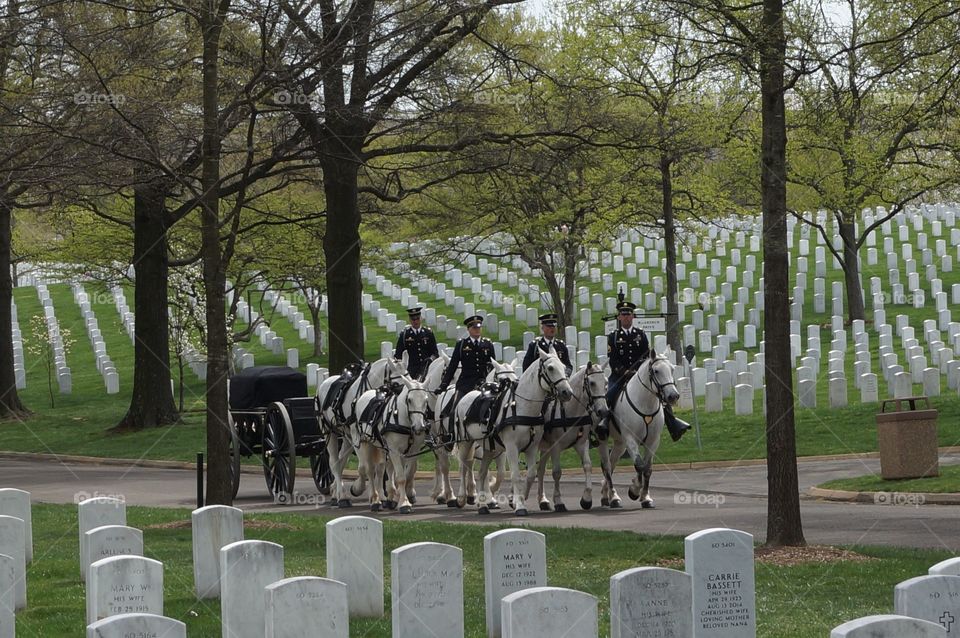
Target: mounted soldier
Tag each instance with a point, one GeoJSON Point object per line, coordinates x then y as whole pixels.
{"type": "Point", "coordinates": [419, 342]}
{"type": "Point", "coordinates": [627, 348]}
{"type": "Point", "coordinates": [548, 342]}
{"type": "Point", "coordinates": [472, 355]}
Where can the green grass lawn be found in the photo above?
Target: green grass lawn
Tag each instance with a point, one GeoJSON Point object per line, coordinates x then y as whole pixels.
{"type": "Point", "coordinates": [947, 482]}
{"type": "Point", "coordinates": [801, 601]}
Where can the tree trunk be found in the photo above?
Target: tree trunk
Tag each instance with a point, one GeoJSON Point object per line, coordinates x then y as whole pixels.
{"type": "Point", "coordinates": [315, 317]}
{"type": "Point", "coordinates": [783, 493]}
{"type": "Point", "coordinates": [219, 485]}
{"type": "Point", "coordinates": [10, 405]}
{"type": "Point", "coordinates": [152, 402]}
{"type": "Point", "coordinates": [851, 271]}
{"type": "Point", "coordinates": [569, 284]}
{"type": "Point", "coordinates": [341, 246]}
{"type": "Point", "coordinates": [670, 247]}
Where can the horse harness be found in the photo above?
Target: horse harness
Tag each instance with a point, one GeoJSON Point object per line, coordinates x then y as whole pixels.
{"type": "Point", "coordinates": [647, 418]}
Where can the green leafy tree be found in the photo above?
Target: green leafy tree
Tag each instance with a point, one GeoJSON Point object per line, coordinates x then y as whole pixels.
{"type": "Point", "coordinates": [47, 341]}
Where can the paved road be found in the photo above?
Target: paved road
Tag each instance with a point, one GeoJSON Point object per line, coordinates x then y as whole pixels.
{"type": "Point", "coordinates": [687, 501]}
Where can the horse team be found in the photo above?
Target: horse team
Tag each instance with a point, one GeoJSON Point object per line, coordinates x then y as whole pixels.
{"type": "Point", "coordinates": [389, 419]}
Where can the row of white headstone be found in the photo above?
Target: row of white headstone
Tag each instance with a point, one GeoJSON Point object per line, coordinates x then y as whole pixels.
{"type": "Point", "coordinates": [714, 597]}
{"type": "Point", "coordinates": [105, 366]}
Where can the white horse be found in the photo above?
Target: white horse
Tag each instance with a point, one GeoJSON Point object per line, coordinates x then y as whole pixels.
{"type": "Point", "coordinates": [637, 422]}
{"type": "Point", "coordinates": [518, 426]}
{"type": "Point", "coordinates": [340, 439]}
{"type": "Point", "coordinates": [569, 425]}
{"type": "Point", "coordinates": [442, 491]}
{"type": "Point", "coordinates": [400, 430]}
{"type": "Point", "coordinates": [501, 374]}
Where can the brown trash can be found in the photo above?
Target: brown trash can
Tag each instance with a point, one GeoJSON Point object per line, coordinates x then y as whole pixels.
{"type": "Point", "coordinates": [907, 439]}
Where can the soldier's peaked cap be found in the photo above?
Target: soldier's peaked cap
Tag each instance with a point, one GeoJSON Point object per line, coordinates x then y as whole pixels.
{"type": "Point", "coordinates": [475, 320]}
{"type": "Point", "coordinates": [549, 319]}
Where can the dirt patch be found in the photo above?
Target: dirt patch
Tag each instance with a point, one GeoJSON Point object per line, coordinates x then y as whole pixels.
{"type": "Point", "coordinates": [257, 525]}
{"type": "Point", "coordinates": [786, 556]}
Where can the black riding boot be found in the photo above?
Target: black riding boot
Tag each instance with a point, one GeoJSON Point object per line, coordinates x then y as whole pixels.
{"type": "Point", "coordinates": [676, 426]}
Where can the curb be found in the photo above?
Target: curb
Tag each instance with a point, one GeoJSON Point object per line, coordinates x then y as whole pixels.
{"type": "Point", "coordinates": [924, 498]}
{"type": "Point", "coordinates": [254, 469]}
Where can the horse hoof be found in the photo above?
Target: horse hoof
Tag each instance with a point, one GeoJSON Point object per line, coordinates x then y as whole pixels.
{"type": "Point", "coordinates": [559, 507]}
{"type": "Point", "coordinates": [406, 509]}
{"type": "Point", "coordinates": [615, 504]}
{"type": "Point", "coordinates": [440, 500]}
{"type": "Point", "coordinates": [494, 505]}
{"type": "Point", "coordinates": [647, 505]}
{"type": "Point", "coordinates": [585, 505]}
{"type": "Point", "coordinates": [544, 507]}
{"type": "Point", "coordinates": [604, 502]}
{"type": "Point", "coordinates": [471, 500]}
{"type": "Point", "coordinates": [413, 500]}
{"type": "Point", "coordinates": [459, 504]}
{"type": "Point", "coordinates": [453, 503]}
{"type": "Point", "coordinates": [344, 503]}
{"type": "Point", "coordinates": [375, 507]}
{"type": "Point", "coordinates": [633, 495]}
{"type": "Point", "coordinates": [483, 510]}
{"type": "Point", "coordinates": [390, 505]}
{"type": "Point", "coordinates": [520, 512]}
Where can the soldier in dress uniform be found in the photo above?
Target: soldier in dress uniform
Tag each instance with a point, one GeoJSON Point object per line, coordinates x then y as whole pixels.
{"type": "Point", "coordinates": [548, 326]}
{"type": "Point", "coordinates": [473, 354]}
{"type": "Point", "coordinates": [627, 347]}
{"type": "Point", "coordinates": [419, 342]}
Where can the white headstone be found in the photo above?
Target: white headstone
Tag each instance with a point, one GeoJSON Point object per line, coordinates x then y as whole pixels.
{"type": "Point", "coordinates": [888, 626]}
{"type": "Point", "coordinates": [714, 398]}
{"type": "Point", "coordinates": [214, 527]}
{"type": "Point", "coordinates": [137, 626]}
{"type": "Point", "coordinates": [246, 568]}
{"type": "Point", "coordinates": [16, 503]}
{"type": "Point", "coordinates": [549, 611]}
{"type": "Point", "coordinates": [307, 606]}
{"type": "Point", "coordinates": [427, 590]}
{"type": "Point", "coordinates": [720, 562]}
{"type": "Point", "coordinates": [97, 512]}
{"type": "Point", "coordinates": [111, 540]}
{"type": "Point", "coordinates": [949, 567]}
{"type": "Point", "coordinates": [355, 557]}
{"type": "Point", "coordinates": [743, 399]}
{"type": "Point", "coordinates": [650, 602]}
{"type": "Point", "coordinates": [12, 531]}
{"type": "Point", "coordinates": [935, 599]}
{"type": "Point", "coordinates": [513, 559]}
{"type": "Point", "coordinates": [124, 585]}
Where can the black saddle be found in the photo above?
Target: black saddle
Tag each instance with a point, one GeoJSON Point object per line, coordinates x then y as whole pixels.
{"type": "Point", "coordinates": [374, 410]}
{"type": "Point", "coordinates": [482, 408]}
{"type": "Point", "coordinates": [338, 389]}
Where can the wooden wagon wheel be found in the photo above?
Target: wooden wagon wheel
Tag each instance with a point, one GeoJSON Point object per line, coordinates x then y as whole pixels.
{"type": "Point", "coordinates": [234, 452]}
{"type": "Point", "coordinates": [279, 453]}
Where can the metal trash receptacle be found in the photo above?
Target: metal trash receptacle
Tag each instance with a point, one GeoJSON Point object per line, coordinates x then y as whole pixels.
{"type": "Point", "coordinates": [907, 439]}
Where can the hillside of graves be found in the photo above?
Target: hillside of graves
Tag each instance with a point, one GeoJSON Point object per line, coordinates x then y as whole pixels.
{"type": "Point", "coordinates": [906, 345]}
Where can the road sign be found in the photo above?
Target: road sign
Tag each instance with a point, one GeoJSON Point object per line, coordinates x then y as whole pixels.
{"type": "Point", "coordinates": [651, 324]}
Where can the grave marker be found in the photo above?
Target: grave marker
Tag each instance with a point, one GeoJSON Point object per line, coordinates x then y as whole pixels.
{"type": "Point", "coordinates": [720, 562]}
{"type": "Point", "coordinates": [513, 559]}
{"type": "Point", "coordinates": [549, 612]}
{"type": "Point", "coordinates": [651, 602]}
{"type": "Point", "coordinates": [427, 590]}
{"type": "Point", "coordinates": [246, 568]}
{"type": "Point", "coordinates": [307, 606]}
{"type": "Point", "coordinates": [124, 585]}
{"type": "Point", "coordinates": [214, 527]}
{"type": "Point", "coordinates": [355, 557]}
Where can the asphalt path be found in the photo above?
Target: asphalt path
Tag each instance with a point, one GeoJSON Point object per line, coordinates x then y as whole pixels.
{"type": "Point", "coordinates": [686, 501]}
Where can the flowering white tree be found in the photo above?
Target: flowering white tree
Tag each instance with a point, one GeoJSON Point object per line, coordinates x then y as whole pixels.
{"type": "Point", "coordinates": [48, 342]}
{"type": "Point", "coordinates": [187, 325]}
